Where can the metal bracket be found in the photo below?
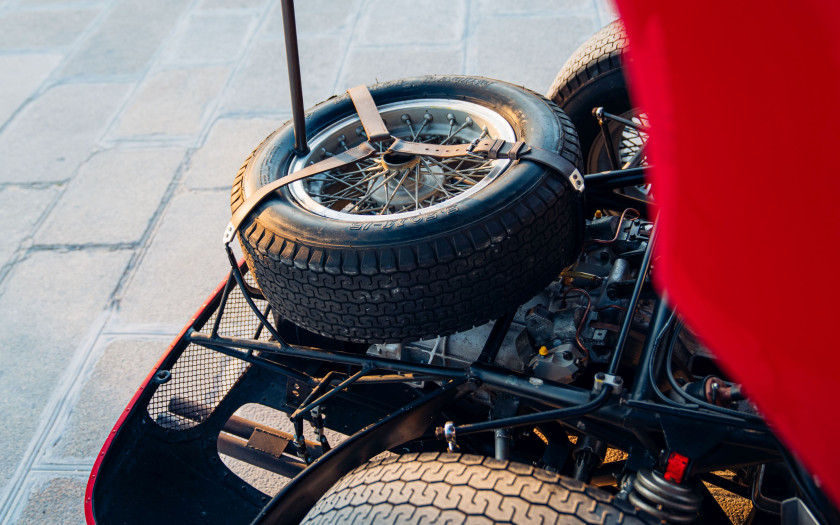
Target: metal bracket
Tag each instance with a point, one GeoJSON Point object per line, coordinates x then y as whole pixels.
{"type": "Point", "coordinates": [230, 233]}
{"type": "Point", "coordinates": [576, 179]}
{"type": "Point", "coordinates": [611, 381]}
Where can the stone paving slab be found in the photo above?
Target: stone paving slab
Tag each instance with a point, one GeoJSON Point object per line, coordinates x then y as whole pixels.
{"type": "Point", "coordinates": [390, 22]}
{"type": "Point", "coordinates": [126, 39]}
{"type": "Point", "coordinates": [551, 7]}
{"type": "Point", "coordinates": [315, 17]}
{"type": "Point", "coordinates": [56, 500]}
{"type": "Point", "coordinates": [409, 61]}
{"type": "Point", "coordinates": [261, 86]}
{"type": "Point", "coordinates": [229, 143]}
{"type": "Point", "coordinates": [112, 199]}
{"type": "Point", "coordinates": [20, 211]}
{"type": "Point", "coordinates": [38, 30]}
{"type": "Point", "coordinates": [184, 262]}
{"type": "Point", "coordinates": [230, 4]}
{"type": "Point", "coordinates": [173, 102]}
{"type": "Point", "coordinates": [210, 38]}
{"type": "Point", "coordinates": [532, 50]}
{"type": "Point", "coordinates": [25, 73]}
{"type": "Point", "coordinates": [103, 396]}
{"type": "Point", "coordinates": [44, 320]}
{"type": "Point", "coordinates": [52, 136]}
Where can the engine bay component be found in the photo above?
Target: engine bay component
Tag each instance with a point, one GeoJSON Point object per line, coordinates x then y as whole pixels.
{"type": "Point", "coordinates": [669, 501]}
{"type": "Point", "coordinates": [580, 324]}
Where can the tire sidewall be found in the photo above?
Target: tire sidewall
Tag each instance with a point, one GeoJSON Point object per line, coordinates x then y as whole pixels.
{"type": "Point", "coordinates": [608, 91]}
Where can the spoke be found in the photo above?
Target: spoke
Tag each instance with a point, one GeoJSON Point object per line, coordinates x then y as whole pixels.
{"type": "Point", "coordinates": [452, 135]}
{"type": "Point", "coordinates": [437, 182]}
{"type": "Point", "coordinates": [441, 165]}
{"type": "Point", "coordinates": [390, 197]}
{"type": "Point", "coordinates": [426, 120]}
{"type": "Point", "coordinates": [366, 179]}
{"type": "Point", "coordinates": [371, 192]}
{"type": "Point", "coordinates": [417, 186]}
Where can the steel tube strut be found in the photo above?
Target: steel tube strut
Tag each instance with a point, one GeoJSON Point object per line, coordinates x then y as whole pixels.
{"type": "Point", "coordinates": [295, 87]}
{"type": "Point", "coordinates": [611, 180]}
{"type": "Point", "coordinates": [642, 384]}
{"type": "Point", "coordinates": [634, 300]}
{"type": "Point", "coordinates": [536, 418]}
{"type": "Point", "coordinates": [276, 348]}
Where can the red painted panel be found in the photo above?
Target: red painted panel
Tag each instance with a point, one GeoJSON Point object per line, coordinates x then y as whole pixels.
{"type": "Point", "coordinates": [743, 99]}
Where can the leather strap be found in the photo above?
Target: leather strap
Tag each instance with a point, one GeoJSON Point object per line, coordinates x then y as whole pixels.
{"type": "Point", "coordinates": [432, 150]}
{"type": "Point", "coordinates": [362, 151]}
{"type": "Point", "coordinates": [519, 150]}
{"type": "Point", "coordinates": [369, 114]}
{"type": "Point", "coordinates": [377, 132]}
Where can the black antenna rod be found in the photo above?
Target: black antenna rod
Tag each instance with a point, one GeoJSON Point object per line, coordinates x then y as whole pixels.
{"type": "Point", "coordinates": [293, 61]}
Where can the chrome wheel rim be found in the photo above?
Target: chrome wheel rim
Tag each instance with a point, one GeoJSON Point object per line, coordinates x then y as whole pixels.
{"type": "Point", "coordinates": [389, 187]}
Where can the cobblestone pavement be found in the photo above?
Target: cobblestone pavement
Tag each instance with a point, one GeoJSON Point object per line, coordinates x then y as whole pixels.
{"type": "Point", "coordinates": [122, 124]}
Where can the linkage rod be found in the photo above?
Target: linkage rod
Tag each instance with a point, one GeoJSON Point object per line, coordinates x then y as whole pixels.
{"type": "Point", "coordinates": [295, 87]}
{"type": "Point", "coordinates": [536, 418]}
{"type": "Point", "coordinates": [341, 386]}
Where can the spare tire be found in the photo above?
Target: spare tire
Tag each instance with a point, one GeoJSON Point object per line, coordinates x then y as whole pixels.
{"type": "Point", "coordinates": [394, 249]}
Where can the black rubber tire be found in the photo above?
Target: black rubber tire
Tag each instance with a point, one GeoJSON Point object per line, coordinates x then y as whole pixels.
{"type": "Point", "coordinates": [593, 77]}
{"type": "Point", "coordinates": [436, 488]}
{"type": "Point", "coordinates": [440, 274]}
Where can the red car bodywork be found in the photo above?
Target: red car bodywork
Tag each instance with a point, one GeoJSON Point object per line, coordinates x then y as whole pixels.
{"type": "Point", "coordinates": [743, 99]}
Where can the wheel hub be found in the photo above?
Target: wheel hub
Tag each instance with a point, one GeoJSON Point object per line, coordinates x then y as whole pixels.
{"type": "Point", "coordinates": [403, 182]}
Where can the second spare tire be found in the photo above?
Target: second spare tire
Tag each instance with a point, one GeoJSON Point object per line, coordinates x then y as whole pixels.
{"type": "Point", "coordinates": [398, 248]}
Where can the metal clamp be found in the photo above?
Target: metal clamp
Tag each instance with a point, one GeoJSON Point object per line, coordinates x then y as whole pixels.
{"type": "Point", "coordinates": [613, 382]}
{"type": "Point", "coordinates": [473, 144]}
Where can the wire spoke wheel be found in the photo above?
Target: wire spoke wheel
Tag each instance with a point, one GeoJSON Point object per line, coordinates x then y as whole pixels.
{"type": "Point", "coordinates": [627, 143]}
{"type": "Point", "coordinates": [402, 185]}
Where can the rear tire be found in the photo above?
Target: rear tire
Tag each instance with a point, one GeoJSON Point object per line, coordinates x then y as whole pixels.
{"type": "Point", "coordinates": [436, 488]}
{"type": "Point", "coordinates": [594, 76]}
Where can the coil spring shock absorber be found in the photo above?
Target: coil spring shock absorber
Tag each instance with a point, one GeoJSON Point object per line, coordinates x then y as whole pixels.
{"type": "Point", "coordinates": [667, 500]}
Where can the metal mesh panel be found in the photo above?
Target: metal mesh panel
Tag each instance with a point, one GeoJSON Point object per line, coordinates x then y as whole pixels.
{"type": "Point", "coordinates": [201, 377]}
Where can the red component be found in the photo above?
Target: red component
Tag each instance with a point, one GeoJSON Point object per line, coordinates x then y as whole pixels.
{"type": "Point", "coordinates": [742, 100]}
{"type": "Point", "coordinates": [676, 467]}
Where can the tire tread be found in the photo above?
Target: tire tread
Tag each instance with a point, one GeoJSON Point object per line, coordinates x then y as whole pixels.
{"type": "Point", "coordinates": [453, 488]}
